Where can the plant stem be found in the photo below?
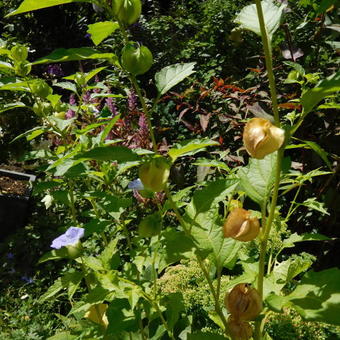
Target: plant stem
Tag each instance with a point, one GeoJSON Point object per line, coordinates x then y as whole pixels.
{"type": "Point", "coordinates": [269, 61]}
{"type": "Point", "coordinates": [265, 235]}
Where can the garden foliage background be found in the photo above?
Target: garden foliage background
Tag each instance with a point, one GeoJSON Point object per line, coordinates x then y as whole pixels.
{"type": "Point", "coordinates": [228, 87]}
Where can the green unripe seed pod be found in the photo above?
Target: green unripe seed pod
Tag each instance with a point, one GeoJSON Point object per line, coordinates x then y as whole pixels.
{"type": "Point", "coordinates": [19, 53]}
{"type": "Point", "coordinates": [136, 59]}
{"type": "Point", "coordinates": [150, 225]}
{"type": "Point", "coordinates": [128, 11]}
{"type": "Point", "coordinates": [41, 89]}
{"type": "Point", "coordinates": [154, 174]}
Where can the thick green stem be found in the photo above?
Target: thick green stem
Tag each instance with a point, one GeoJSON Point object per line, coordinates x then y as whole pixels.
{"type": "Point", "coordinates": [265, 235]}
{"type": "Point", "coordinates": [269, 61]}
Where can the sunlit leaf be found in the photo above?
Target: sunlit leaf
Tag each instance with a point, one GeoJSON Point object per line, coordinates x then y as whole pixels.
{"type": "Point", "coordinates": [257, 178]}
{"type": "Point", "coordinates": [325, 88]}
{"type": "Point", "coordinates": [72, 54]}
{"type": "Point", "coordinates": [189, 147]}
{"type": "Point", "coordinates": [272, 13]}
{"type": "Point", "coordinates": [101, 30]}
{"type": "Point", "coordinates": [32, 5]}
{"type": "Point", "coordinates": [171, 75]}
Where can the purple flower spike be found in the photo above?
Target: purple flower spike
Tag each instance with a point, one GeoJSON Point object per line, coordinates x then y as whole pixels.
{"type": "Point", "coordinates": [70, 238]}
{"type": "Point", "coordinates": [70, 114]}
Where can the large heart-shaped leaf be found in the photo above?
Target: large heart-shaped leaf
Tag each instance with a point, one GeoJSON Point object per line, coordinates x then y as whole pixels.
{"type": "Point", "coordinates": [206, 230]}
{"type": "Point", "coordinates": [257, 178]}
{"type": "Point", "coordinates": [248, 18]}
{"type": "Point", "coordinates": [316, 298]}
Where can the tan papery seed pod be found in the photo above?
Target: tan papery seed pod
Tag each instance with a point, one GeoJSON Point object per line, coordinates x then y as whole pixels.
{"type": "Point", "coordinates": [261, 137]}
{"type": "Point", "coordinates": [239, 330]}
{"type": "Point", "coordinates": [243, 302]}
{"type": "Point", "coordinates": [240, 226]}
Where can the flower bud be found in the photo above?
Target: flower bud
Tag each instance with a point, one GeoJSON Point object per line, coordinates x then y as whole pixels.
{"type": "Point", "coordinates": [154, 174]}
{"type": "Point", "coordinates": [239, 330]}
{"type": "Point", "coordinates": [243, 302]}
{"type": "Point", "coordinates": [261, 137]}
{"type": "Point", "coordinates": [240, 226]}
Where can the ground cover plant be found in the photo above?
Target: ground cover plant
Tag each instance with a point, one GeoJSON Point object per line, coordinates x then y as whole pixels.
{"type": "Point", "coordinates": [169, 196]}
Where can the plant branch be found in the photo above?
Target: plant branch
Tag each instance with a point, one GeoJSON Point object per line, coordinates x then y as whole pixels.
{"type": "Point", "coordinates": [269, 61]}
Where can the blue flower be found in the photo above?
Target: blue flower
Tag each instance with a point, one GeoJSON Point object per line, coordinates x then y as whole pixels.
{"type": "Point", "coordinates": [136, 185]}
{"type": "Point", "coordinates": [70, 238]}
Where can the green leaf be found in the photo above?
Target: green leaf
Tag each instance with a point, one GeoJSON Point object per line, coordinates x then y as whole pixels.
{"type": "Point", "coordinates": [325, 88]}
{"type": "Point", "coordinates": [320, 151]}
{"type": "Point", "coordinates": [109, 127]}
{"type": "Point", "coordinates": [297, 67]}
{"type": "Point", "coordinates": [119, 154]}
{"type": "Point", "coordinates": [190, 147]}
{"type": "Point", "coordinates": [176, 246]}
{"type": "Point", "coordinates": [206, 228]}
{"type": "Point", "coordinates": [212, 163]}
{"type": "Point", "coordinates": [248, 19]}
{"type": "Point", "coordinates": [295, 238]}
{"type": "Point", "coordinates": [109, 256]}
{"type": "Point", "coordinates": [317, 297]}
{"type": "Point", "coordinates": [71, 54]}
{"type": "Point", "coordinates": [257, 178]}
{"type": "Point", "coordinates": [174, 305]}
{"type": "Point", "coordinates": [10, 106]}
{"type": "Point", "coordinates": [121, 317]}
{"type": "Point", "coordinates": [285, 271]}
{"type": "Point", "coordinates": [35, 134]}
{"type": "Point", "coordinates": [93, 263]}
{"type": "Point", "coordinates": [88, 76]}
{"type": "Point", "coordinates": [68, 281]}
{"type": "Point", "coordinates": [213, 193]}
{"type": "Point", "coordinates": [95, 226]}
{"type": "Point", "coordinates": [101, 30]}
{"type": "Point", "coordinates": [66, 85]}
{"type": "Point", "coordinates": [171, 75]}
{"type": "Point", "coordinates": [28, 133]}
{"type": "Point", "coordinates": [32, 5]}
{"type": "Point", "coordinates": [313, 204]}
{"type": "Point", "coordinates": [54, 255]}
{"type": "Point", "coordinates": [16, 86]}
